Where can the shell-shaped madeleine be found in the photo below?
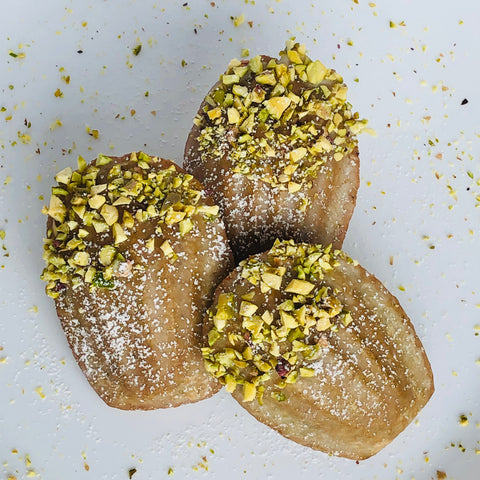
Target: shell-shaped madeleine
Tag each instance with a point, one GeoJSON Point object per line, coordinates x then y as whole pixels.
{"type": "Point", "coordinates": [134, 250]}
{"type": "Point", "coordinates": [275, 144]}
{"type": "Point", "coordinates": [315, 347]}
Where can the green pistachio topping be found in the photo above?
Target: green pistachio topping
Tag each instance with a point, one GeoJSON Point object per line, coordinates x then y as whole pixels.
{"type": "Point", "coordinates": [278, 120]}
{"type": "Point", "coordinates": [102, 203]}
{"type": "Point", "coordinates": [276, 329]}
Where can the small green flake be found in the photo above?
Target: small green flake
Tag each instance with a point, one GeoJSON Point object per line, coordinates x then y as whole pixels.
{"type": "Point", "coordinates": [132, 472]}
{"type": "Point", "coordinates": [184, 63]}
{"type": "Point", "coordinates": [463, 420]}
{"type": "Point", "coordinates": [170, 472]}
{"type": "Point", "coordinates": [137, 49]}
{"type": "Point", "coordinates": [101, 282]}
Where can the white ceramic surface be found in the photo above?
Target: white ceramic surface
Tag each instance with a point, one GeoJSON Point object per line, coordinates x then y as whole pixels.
{"type": "Point", "coordinates": [67, 70]}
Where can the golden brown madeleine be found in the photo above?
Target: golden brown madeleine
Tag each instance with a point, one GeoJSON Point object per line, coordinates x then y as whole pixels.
{"type": "Point", "coordinates": [134, 250]}
{"type": "Point", "coordinates": [274, 142]}
{"type": "Point", "coordinates": [315, 347]}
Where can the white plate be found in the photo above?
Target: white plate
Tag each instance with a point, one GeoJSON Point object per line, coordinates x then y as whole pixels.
{"type": "Point", "coordinates": [409, 66]}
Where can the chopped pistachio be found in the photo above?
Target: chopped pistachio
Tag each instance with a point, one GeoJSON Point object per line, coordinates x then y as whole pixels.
{"type": "Point", "coordinates": [316, 72]}
{"type": "Point", "coordinates": [64, 176]}
{"type": "Point", "coordinates": [288, 320]}
{"type": "Point", "coordinates": [277, 105]}
{"type": "Point", "coordinates": [102, 160]}
{"type": "Point", "coordinates": [100, 281]}
{"type": "Point", "coordinates": [302, 287]}
{"type": "Point", "coordinates": [99, 226]}
{"type": "Point", "coordinates": [233, 115]}
{"type": "Point", "coordinates": [107, 254]}
{"type": "Point", "coordinates": [266, 78]}
{"type": "Point", "coordinates": [323, 324]}
{"type": "Point", "coordinates": [272, 280]}
{"type": "Point", "coordinates": [213, 336]}
{"type": "Point", "coordinates": [185, 226]}
{"type": "Point", "coordinates": [174, 216]}
{"type": "Point", "coordinates": [96, 201]}
{"type": "Point", "coordinates": [122, 201]}
{"type": "Point", "coordinates": [81, 258]}
{"type": "Point", "coordinates": [118, 233]}
{"type": "Point", "coordinates": [97, 189]}
{"type": "Point", "coordinates": [294, 56]}
{"type": "Point", "coordinates": [267, 317]}
{"type": "Point", "coordinates": [166, 248]}
{"type": "Point", "coordinates": [247, 309]}
{"type": "Point", "coordinates": [211, 210]}
{"type": "Point", "coordinates": [249, 392]}
{"type": "Point", "coordinates": [347, 319]}
{"type": "Point", "coordinates": [109, 213]}
{"type": "Point", "coordinates": [240, 90]}
{"type": "Point", "coordinates": [297, 154]}
{"type": "Point", "coordinates": [214, 113]}
{"type": "Point", "coordinates": [57, 209]}
{"type": "Point", "coordinates": [294, 187]}
{"type": "Point", "coordinates": [230, 79]}
{"type": "Point", "coordinates": [255, 64]}
{"type": "Point", "coordinates": [150, 244]}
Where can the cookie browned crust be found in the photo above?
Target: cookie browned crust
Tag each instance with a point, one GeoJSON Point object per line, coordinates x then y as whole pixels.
{"type": "Point", "coordinates": [134, 250]}
{"type": "Point", "coordinates": [274, 142]}
{"type": "Point", "coordinates": [314, 346]}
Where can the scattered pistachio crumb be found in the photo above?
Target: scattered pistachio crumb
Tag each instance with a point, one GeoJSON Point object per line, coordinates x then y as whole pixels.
{"type": "Point", "coordinates": [463, 420]}
{"type": "Point", "coordinates": [39, 391]}
{"type": "Point", "coordinates": [238, 20]}
{"type": "Point", "coordinates": [55, 124]}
